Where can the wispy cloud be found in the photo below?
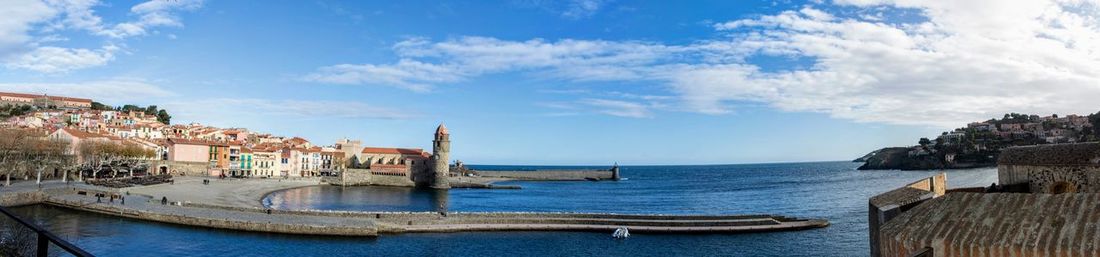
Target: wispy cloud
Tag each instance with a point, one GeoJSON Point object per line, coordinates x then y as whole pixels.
{"type": "Point", "coordinates": [958, 62]}
{"type": "Point", "coordinates": [113, 91]}
{"type": "Point", "coordinates": [50, 59]}
{"type": "Point", "coordinates": [618, 108]}
{"type": "Point", "coordinates": [214, 109]}
{"type": "Point", "coordinates": [30, 26]}
{"type": "Point", "coordinates": [579, 9]}
{"type": "Point", "coordinates": [613, 107]}
{"type": "Point", "coordinates": [407, 74]}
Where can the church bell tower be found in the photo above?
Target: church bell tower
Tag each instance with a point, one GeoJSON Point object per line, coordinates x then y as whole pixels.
{"type": "Point", "coordinates": [441, 158]}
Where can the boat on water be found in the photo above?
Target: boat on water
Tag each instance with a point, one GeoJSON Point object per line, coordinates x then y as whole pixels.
{"type": "Point", "coordinates": [621, 232]}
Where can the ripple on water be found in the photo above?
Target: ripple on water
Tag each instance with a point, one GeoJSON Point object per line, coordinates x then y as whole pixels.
{"type": "Point", "coordinates": [834, 191]}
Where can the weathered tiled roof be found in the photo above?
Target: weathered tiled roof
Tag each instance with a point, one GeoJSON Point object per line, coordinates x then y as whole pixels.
{"type": "Point", "coordinates": [913, 192]}
{"type": "Point", "coordinates": [1054, 154]}
{"type": "Point", "coordinates": [383, 150]}
{"type": "Point", "coordinates": [997, 224]}
{"type": "Point", "coordinates": [55, 98]}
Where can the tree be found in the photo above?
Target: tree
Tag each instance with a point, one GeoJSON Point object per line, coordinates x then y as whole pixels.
{"type": "Point", "coordinates": [151, 110]}
{"type": "Point", "coordinates": [12, 142]}
{"type": "Point", "coordinates": [101, 107]}
{"type": "Point", "coordinates": [97, 154]}
{"type": "Point", "coordinates": [1094, 119]}
{"type": "Point", "coordinates": [924, 142]}
{"type": "Point", "coordinates": [42, 153]}
{"type": "Point", "coordinates": [163, 117]}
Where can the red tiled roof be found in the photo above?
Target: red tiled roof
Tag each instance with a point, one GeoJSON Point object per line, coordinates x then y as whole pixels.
{"type": "Point", "coordinates": [81, 134]}
{"type": "Point", "coordinates": [55, 98]}
{"type": "Point", "coordinates": [382, 150]}
{"type": "Point", "coordinates": [298, 140]}
{"type": "Point", "coordinates": [193, 142]}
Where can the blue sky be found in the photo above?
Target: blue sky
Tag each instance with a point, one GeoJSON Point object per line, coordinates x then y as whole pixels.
{"type": "Point", "coordinates": [568, 82]}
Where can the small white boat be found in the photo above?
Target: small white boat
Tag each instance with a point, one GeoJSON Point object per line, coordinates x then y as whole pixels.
{"type": "Point", "coordinates": [621, 232]}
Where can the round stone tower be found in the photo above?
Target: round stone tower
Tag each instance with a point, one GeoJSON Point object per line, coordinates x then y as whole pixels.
{"type": "Point", "coordinates": [615, 172]}
{"type": "Point", "coordinates": [441, 158]}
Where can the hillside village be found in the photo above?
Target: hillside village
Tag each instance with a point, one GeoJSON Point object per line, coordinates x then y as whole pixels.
{"type": "Point", "coordinates": [979, 143]}
{"type": "Point", "coordinates": [236, 152]}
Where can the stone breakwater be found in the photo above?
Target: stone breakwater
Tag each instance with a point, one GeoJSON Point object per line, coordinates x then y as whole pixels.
{"type": "Point", "coordinates": [548, 175]}
{"type": "Point", "coordinates": [144, 208]}
{"type": "Point", "coordinates": [419, 222]}
{"type": "Point", "coordinates": [350, 223]}
{"type": "Point", "coordinates": [236, 205]}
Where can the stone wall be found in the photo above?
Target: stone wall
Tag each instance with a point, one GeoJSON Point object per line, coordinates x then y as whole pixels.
{"type": "Point", "coordinates": [353, 177]}
{"type": "Point", "coordinates": [177, 168]}
{"type": "Point", "coordinates": [10, 199]}
{"type": "Point", "coordinates": [1057, 168]}
{"type": "Point", "coordinates": [369, 229]}
{"type": "Point", "coordinates": [996, 224]}
{"type": "Point", "coordinates": [886, 206]}
{"type": "Point", "coordinates": [1079, 154]}
{"type": "Point", "coordinates": [363, 177]}
{"type": "Point", "coordinates": [1051, 179]}
{"type": "Point", "coordinates": [383, 180]}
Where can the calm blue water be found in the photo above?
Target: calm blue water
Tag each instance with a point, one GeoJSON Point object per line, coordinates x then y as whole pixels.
{"type": "Point", "coordinates": [833, 190]}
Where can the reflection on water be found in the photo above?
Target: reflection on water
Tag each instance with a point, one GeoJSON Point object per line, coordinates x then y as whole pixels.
{"type": "Point", "coordinates": [358, 199]}
{"type": "Point", "coordinates": [835, 191]}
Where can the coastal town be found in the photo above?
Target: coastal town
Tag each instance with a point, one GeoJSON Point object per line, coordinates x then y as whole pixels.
{"type": "Point", "coordinates": [979, 143]}
{"type": "Point", "coordinates": [198, 149]}
{"type": "Point", "coordinates": [129, 163]}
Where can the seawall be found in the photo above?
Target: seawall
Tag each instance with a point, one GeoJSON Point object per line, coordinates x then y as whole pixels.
{"type": "Point", "coordinates": [549, 175]}
{"type": "Point", "coordinates": [144, 209]}
{"type": "Point", "coordinates": [350, 223]}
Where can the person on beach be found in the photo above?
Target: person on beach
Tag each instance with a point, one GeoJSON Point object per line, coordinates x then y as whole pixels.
{"type": "Point", "coordinates": [164, 200]}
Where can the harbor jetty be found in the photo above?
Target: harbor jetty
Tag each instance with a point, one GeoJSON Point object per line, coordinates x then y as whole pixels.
{"type": "Point", "coordinates": [549, 175]}
{"type": "Point", "coordinates": [232, 214]}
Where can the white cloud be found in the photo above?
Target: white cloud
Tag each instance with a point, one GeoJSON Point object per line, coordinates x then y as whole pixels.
{"type": "Point", "coordinates": [959, 61]}
{"type": "Point", "coordinates": [407, 74]}
{"type": "Point", "coordinates": [19, 16]}
{"type": "Point", "coordinates": [50, 59]}
{"type": "Point", "coordinates": [154, 13]}
{"type": "Point", "coordinates": [618, 108]}
{"type": "Point", "coordinates": [47, 19]}
{"type": "Point", "coordinates": [969, 61]}
{"type": "Point", "coordinates": [462, 58]}
{"type": "Point", "coordinates": [112, 92]}
{"type": "Point", "coordinates": [213, 110]}
{"type": "Point", "coordinates": [641, 107]}
{"type": "Point", "coordinates": [578, 9]}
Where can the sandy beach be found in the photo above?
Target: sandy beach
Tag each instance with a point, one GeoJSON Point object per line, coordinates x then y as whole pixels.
{"type": "Point", "coordinates": [225, 192]}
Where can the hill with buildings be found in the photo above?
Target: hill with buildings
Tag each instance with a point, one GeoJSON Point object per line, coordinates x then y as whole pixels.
{"type": "Point", "coordinates": [194, 148]}
{"type": "Point", "coordinates": [979, 143]}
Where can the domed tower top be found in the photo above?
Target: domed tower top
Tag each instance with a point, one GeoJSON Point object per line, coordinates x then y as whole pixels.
{"type": "Point", "coordinates": [441, 130]}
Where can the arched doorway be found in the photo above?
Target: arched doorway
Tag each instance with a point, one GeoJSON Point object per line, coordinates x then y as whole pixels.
{"type": "Point", "coordinates": [163, 170]}
{"type": "Point", "coordinates": [1063, 187]}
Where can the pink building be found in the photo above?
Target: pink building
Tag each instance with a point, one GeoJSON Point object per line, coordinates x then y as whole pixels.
{"type": "Point", "coordinates": [183, 150]}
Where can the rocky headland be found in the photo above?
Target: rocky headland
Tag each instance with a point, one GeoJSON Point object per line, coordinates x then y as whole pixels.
{"type": "Point", "coordinates": [901, 158]}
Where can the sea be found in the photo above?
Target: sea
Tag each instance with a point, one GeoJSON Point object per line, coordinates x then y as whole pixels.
{"type": "Point", "coordinates": [835, 191]}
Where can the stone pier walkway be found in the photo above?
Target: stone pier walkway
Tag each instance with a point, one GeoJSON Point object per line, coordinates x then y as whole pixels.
{"type": "Point", "coordinates": [141, 207]}
{"type": "Point", "coordinates": [235, 205]}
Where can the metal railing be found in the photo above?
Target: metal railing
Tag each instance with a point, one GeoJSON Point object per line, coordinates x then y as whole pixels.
{"type": "Point", "coordinates": [45, 238]}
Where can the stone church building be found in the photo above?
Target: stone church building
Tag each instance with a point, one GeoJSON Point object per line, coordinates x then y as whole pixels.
{"type": "Point", "coordinates": [400, 166]}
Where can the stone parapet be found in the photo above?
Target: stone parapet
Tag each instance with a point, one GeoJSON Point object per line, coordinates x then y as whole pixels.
{"type": "Point", "coordinates": [886, 206]}
{"type": "Point", "coordinates": [1078, 154]}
